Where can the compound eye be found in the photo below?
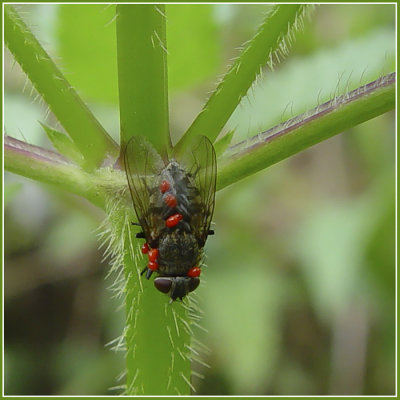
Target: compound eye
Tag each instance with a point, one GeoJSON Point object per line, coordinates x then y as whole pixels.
{"type": "Point", "coordinates": [193, 284]}
{"type": "Point", "coordinates": [163, 284]}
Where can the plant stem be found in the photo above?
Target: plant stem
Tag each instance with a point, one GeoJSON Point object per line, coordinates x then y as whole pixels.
{"type": "Point", "coordinates": [157, 359]}
{"type": "Point", "coordinates": [142, 74]}
{"type": "Point", "coordinates": [286, 139]}
{"type": "Point", "coordinates": [235, 84]}
{"type": "Point", "coordinates": [89, 136]}
{"type": "Point", "coordinates": [46, 166]}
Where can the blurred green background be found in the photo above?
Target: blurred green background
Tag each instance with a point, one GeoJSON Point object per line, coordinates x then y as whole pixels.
{"type": "Point", "coordinates": [299, 293]}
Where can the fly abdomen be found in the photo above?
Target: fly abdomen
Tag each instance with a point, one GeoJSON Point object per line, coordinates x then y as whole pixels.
{"type": "Point", "coordinates": [178, 253]}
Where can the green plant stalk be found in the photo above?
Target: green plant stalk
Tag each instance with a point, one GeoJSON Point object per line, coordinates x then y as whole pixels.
{"type": "Point", "coordinates": [304, 131]}
{"type": "Point", "coordinates": [142, 74]}
{"type": "Point", "coordinates": [241, 75]}
{"type": "Point", "coordinates": [156, 360]}
{"type": "Point", "coordinates": [156, 336]}
{"type": "Point", "coordinates": [45, 166]}
{"type": "Point", "coordinates": [89, 136]}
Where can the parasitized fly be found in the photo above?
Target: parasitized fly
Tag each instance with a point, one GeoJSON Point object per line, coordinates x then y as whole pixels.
{"type": "Point", "coordinates": [174, 204]}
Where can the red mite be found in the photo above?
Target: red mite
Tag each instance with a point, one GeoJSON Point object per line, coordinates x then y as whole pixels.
{"type": "Point", "coordinates": [152, 265]}
{"type": "Point", "coordinates": [164, 186]}
{"type": "Point", "coordinates": [174, 204]}
{"type": "Point", "coordinates": [153, 254]}
{"type": "Point", "coordinates": [173, 220]}
{"type": "Point", "coordinates": [170, 200]}
{"type": "Point", "coordinates": [195, 271]}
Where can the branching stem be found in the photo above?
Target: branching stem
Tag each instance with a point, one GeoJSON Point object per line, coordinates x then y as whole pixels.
{"type": "Point", "coordinates": [302, 132]}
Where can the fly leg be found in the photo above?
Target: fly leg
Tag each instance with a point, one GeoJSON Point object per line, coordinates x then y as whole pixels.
{"type": "Point", "coordinates": [148, 273]}
{"type": "Point", "coordinates": [139, 235]}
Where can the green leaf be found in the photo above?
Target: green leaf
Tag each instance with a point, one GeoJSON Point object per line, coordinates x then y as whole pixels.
{"type": "Point", "coordinates": [87, 46]}
{"type": "Point", "coordinates": [63, 144]}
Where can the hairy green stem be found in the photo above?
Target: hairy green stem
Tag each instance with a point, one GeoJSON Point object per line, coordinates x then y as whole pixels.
{"type": "Point", "coordinates": [157, 338]}
{"type": "Point", "coordinates": [142, 74]}
{"type": "Point", "coordinates": [156, 349]}
{"type": "Point", "coordinates": [297, 134]}
{"type": "Point", "coordinates": [89, 136]}
{"type": "Point", "coordinates": [270, 38]}
{"type": "Point", "coordinates": [48, 167]}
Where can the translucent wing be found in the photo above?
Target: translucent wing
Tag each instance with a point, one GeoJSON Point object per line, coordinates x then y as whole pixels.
{"type": "Point", "coordinates": [142, 166]}
{"type": "Point", "coordinates": [201, 164]}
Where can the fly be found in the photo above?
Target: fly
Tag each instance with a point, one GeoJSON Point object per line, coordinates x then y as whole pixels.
{"type": "Point", "coordinates": [174, 204]}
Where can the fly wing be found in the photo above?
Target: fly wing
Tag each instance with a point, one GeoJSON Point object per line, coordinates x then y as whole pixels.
{"type": "Point", "coordinates": [142, 166]}
{"type": "Point", "coordinates": [201, 164]}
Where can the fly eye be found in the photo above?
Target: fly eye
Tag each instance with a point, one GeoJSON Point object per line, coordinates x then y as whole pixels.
{"type": "Point", "coordinates": [163, 284]}
{"type": "Point", "coordinates": [193, 284]}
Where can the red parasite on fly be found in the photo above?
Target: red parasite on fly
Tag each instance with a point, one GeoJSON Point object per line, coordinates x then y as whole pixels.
{"type": "Point", "coordinates": [174, 204]}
